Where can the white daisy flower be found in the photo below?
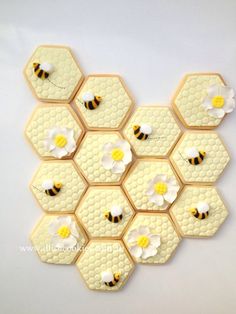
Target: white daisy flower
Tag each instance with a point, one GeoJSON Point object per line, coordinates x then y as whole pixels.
{"type": "Point", "coordinates": [64, 232]}
{"type": "Point", "coordinates": [60, 142]}
{"type": "Point", "coordinates": [143, 243]}
{"type": "Point", "coordinates": [162, 190]}
{"type": "Point", "coordinates": [219, 101]}
{"type": "Point", "coordinates": [116, 156]}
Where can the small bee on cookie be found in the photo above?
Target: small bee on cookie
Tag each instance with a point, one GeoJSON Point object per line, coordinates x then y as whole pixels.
{"type": "Point", "coordinates": [110, 279]}
{"type": "Point", "coordinates": [201, 211]}
{"type": "Point", "coordinates": [195, 157]}
{"type": "Point", "coordinates": [141, 132]}
{"type": "Point", "coordinates": [43, 70]}
{"type": "Point", "coordinates": [51, 187]}
{"type": "Point", "coordinates": [91, 101]}
{"type": "Point", "coordinates": [114, 215]}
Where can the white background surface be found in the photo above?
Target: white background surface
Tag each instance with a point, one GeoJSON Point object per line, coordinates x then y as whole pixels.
{"type": "Point", "coordinates": [152, 44]}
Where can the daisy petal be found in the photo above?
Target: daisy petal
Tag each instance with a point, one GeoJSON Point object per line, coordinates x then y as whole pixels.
{"type": "Point", "coordinates": [118, 167]}
{"type": "Point", "coordinates": [107, 162]}
{"type": "Point", "coordinates": [149, 251]}
{"type": "Point", "coordinates": [229, 106]}
{"type": "Point", "coordinates": [108, 147]}
{"type": "Point", "coordinates": [157, 199]}
{"type": "Point", "coordinates": [127, 157]}
{"type": "Point", "coordinates": [136, 251]}
{"type": "Point", "coordinates": [217, 113]}
{"type": "Point", "coordinates": [155, 240]}
{"type": "Point", "coordinates": [207, 103]}
{"type": "Point", "coordinates": [170, 196]}
{"type": "Point", "coordinates": [132, 236]}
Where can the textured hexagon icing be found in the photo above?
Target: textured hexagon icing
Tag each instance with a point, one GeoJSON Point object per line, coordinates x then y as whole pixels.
{"type": "Point", "coordinates": [159, 224]}
{"type": "Point", "coordinates": [46, 117]}
{"type": "Point", "coordinates": [189, 98]}
{"type": "Point", "coordinates": [187, 223]}
{"type": "Point", "coordinates": [136, 182]}
{"type": "Point", "coordinates": [101, 256]}
{"type": "Point", "coordinates": [213, 164]}
{"type": "Point", "coordinates": [73, 186]}
{"type": "Point", "coordinates": [114, 106]}
{"type": "Point", "coordinates": [91, 211]}
{"type": "Point", "coordinates": [41, 240]}
{"type": "Point", "coordinates": [165, 131]}
{"type": "Point", "coordinates": [66, 74]}
{"type": "Point", "coordinates": [89, 155]}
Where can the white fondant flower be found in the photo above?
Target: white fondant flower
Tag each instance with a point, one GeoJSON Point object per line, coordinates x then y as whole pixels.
{"type": "Point", "coordinates": [116, 156]}
{"type": "Point", "coordinates": [60, 141]}
{"type": "Point", "coordinates": [162, 190]}
{"type": "Point", "coordinates": [143, 243]}
{"type": "Point", "coordinates": [64, 232]}
{"type": "Point", "coordinates": [219, 101]}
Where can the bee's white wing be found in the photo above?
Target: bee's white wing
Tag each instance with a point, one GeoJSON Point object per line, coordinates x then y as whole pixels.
{"type": "Point", "coordinates": [107, 276]}
{"type": "Point", "coordinates": [88, 96]}
{"type": "Point", "coordinates": [47, 67]}
{"type": "Point", "coordinates": [202, 207]}
{"type": "Point", "coordinates": [116, 211]}
{"type": "Point", "coordinates": [47, 184]}
{"type": "Point", "coordinates": [146, 129]}
{"type": "Point", "coordinates": [192, 152]}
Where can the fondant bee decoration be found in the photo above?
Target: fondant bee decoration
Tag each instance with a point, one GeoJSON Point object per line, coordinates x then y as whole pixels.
{"type": "Point", "coordinates": [91, 101]}
{"type": "Point", "coordinates": [115, 214]}
{"type": "Point", "coordinates": [43, 70]}
{"type": "Point", "coordinates": [109, 278]}
{"type": "Point", "coordinates": [194, 156]}
{"type": "Point", "coordinates": [141, 132]}
{"type": "Point", "coordinates": [201, 211]}
{"type": "Point", "coordinates": [51, 188]}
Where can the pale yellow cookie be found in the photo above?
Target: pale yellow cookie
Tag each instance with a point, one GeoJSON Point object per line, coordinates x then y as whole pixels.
{"type": "Point", "coordinates": [114, 106]}
{"type": "Point", "coordinates": [193, 197]}
{"type": "Point", "coordinates": [47, 117]}
{"type": "Point", "coordinates": [47, 243]}
{"type": "Point", "coordinates": [139, 237]}
{"type": "Point", "coordinates": [162, 125]}
{"type": "Point", "coordinates": [137, 182]}
{"type": "Point", "coordinates": [189, 97]}
{"type": "Point", "coordinates": [72, 187]}
{"type": "Point", "coordinates": [213, 164]}
{"type": "Point", "coordinates": [101, 260]}
{"type": "Point", "coordinates": [89, 158]}
{"type": "Point", "coordinates": [64, 78]}
{"type": "Point", "coordinates": [105, 212]}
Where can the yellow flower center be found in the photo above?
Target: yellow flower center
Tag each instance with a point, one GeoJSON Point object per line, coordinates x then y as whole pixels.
{"type": "Point", "coordinates": [218, 102]}
{"type": "Point", "coordinates": [160, 188]}
{"type": "Point", "coordinates": [117, 154]}
{"type": "Point", "coordinates": [60, 140]}
{"type": "Point", "coordinates": [64, 232]}
{"type": "Point", "coordinates": [143, 241]}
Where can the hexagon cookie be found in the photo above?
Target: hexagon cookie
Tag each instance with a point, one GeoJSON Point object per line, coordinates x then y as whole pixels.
{"type": "Point", "coordinates": [152, 131]}
{"type": "Point", "coordinates": [190, 96]}
{"type": "Point", "coordinates": [57, 186]}
{"type": "Point", "coordinates": [53, 74]}
{"type": "Point", "coordinates": [105, 211]}
{"type": "Point", "coordinates": [112, 107]}
{"type": "Point", "coordinates": [199, 211]}
{"type": "Point", "coordinates": [151, 238]}
{"type": "Point", "coordinates": [189, 160]}
{"type": "Point", "coordinates": [152, 184]}
{"type": "Point", "coordinates": [59, 125]}
{"type": "Point", "coordinates": [58, 239]}
{"type": "Point", "coordinates": [90, 153]}
{"type": "Point", "coordinates": [105, 265]}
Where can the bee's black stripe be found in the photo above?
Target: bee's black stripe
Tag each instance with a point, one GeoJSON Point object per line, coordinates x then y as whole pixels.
{"type": "Point", "coordinates": [196, 161]}
{"type": "Point", "coordinates": [46, 74]}
{"type": "Point", "coordinates": [137, 130]}
{"type": "Point", "coordinates": [40, 73]}
{"type": "Point", "coordinates": [36, 67]}
{"type": "Point", "coordinates": [201, 156]}
{"type": "Point", "coordinates": [140, 136]}
{"type": "Point", "coordinates": [116, 219]}
{"type": "Point", "coordinates": [96, 101]}
{"type": "Point", "coordinates": [91, 105]}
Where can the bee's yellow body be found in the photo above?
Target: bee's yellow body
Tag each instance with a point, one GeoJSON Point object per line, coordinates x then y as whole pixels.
{"type": "Point", "coordinates": [139, 134]}
{"type": "Point", "coordinates": [51, 188]}
{"type": "Point", "coordinates": [39, 72]}
{"type": "Point", "coordinates": [198, 159]}
{"type": "Point", "coordinates": [195, 213]}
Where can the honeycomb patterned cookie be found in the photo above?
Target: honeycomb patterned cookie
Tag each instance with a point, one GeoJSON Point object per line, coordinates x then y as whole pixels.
{"type": "Point", "coordinates": [191, 226]}
{"type": "Point", "coordinates": [159, 224]}
{"type": "Point", "coordinates": [89, 155]}
{"type": "Point", "coordinates": [137, 181]}
{"type": "Point", "coordinates": [41, 240]}
{"type": "Point", "coordinates": [73, 186]}
{"type": "Point", "coordinates": [63, 82]}
{"type": "Point", "coordinates": [114, 107]}
{"type": "Point", "coordinates": [213, 164]}
{"type": "Point", "coordinates": [95, 203]}
{"type": "Point", "coordinates": [189, 97]}
{"type": "Point", "coordinates": [46, 117]}
{"type": "Point", "coordinates": [101, 256]}
{"type": "Point", "coordinates": [165, 131]}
